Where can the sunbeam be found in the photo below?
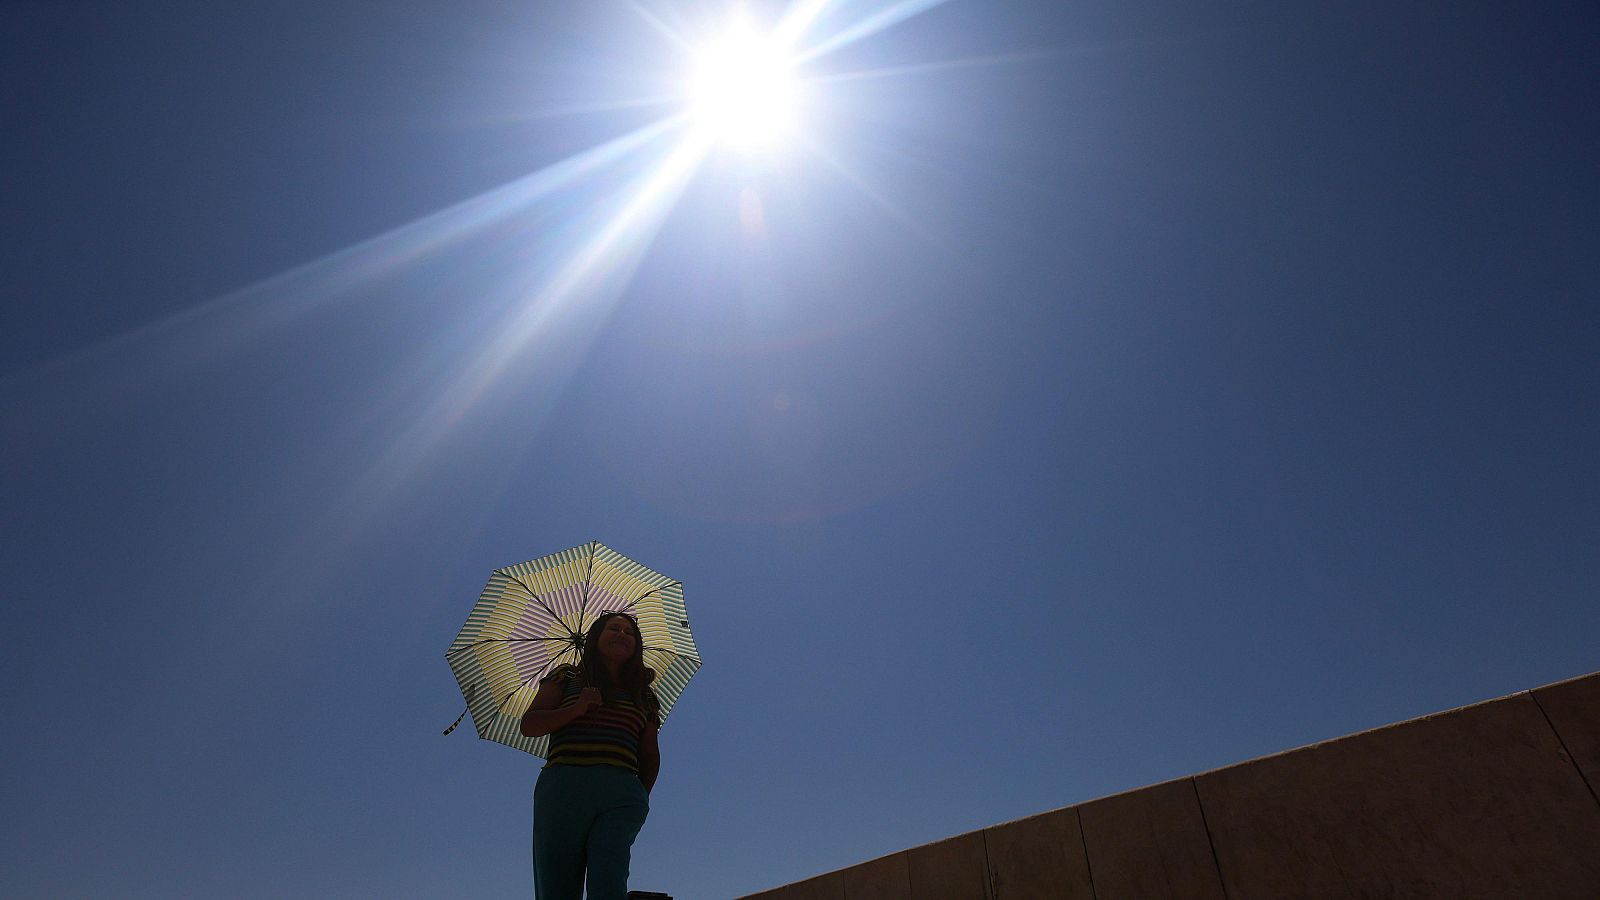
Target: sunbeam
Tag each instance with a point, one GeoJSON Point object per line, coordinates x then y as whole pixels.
{"type": "Point", "coordinates": [871, 25]}
{"type": "Point", "coordinates": [665, 30]}
{"type": "Point", "coordinates": [798, 19]}
{"type": "Point", "coordinates": [974, 62]}
{"type": "Point", "coordinates": [551, 253]}
{"type": "Point", "coordinates": [549, 326]}
{"type": "Point", "coordinates": [581, 109]}
{"type": "Point", "coordinates": [604, 260]}
{"type": "Point", "coordinates": [873, 194]}
{"type": "Point", "coordinates": [214, 330]}
{"type": "Point", "coordinates": [507, 380]}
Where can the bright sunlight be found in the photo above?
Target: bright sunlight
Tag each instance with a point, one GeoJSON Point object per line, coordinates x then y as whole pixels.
{"type": "Point", "coordinates": [743, 89]}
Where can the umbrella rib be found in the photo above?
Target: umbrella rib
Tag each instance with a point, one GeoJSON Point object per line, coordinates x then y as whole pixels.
{"type": "Point", "coordinates": [583, 602]}
{"type": "Point", "coordinates": [673, 653]}
{"type": "Point", "coordinates": [514, 690]}
{"type": "Point", "coordinates": [538, 599]}
{"type": "Point", "coordinates": [524, 683]}
{"type": "Point", "coordinates": [635, 601]}
{"type": "Point", "coordinates": [501, 640]}
{"type": "Point", "coordinates": [555, 660]}
{"type": "Point", "coordinates": [499, 681]}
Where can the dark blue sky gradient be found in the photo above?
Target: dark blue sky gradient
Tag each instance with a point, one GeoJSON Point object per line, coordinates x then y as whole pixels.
{"type": "Point", "coordinates": [1197, 381]}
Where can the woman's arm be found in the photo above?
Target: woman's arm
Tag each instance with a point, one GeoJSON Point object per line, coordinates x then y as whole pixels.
{"type": "Point", "coordinates": [649, 755]}
{"type": "Point", "coordinates": [545, 714]}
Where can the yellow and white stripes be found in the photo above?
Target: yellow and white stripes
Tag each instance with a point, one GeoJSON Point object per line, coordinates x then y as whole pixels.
{"type": "Point", "coordinates": [531, 617]}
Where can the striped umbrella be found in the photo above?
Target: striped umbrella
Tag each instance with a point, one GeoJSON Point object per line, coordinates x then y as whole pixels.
{"type": "Point", "coordinates": [531, 617]}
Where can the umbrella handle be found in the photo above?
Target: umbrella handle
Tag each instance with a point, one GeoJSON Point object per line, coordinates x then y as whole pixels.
{"type": "Point", "coordinates": [456, 722]}
{"type": "Point", "coordinates": [472, 691]}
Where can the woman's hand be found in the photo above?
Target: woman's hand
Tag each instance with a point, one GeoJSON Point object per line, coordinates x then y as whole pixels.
{"type": "Point", "coordinates": [589, 698]}
{"type": "Point", "coordinates": [546, 714]}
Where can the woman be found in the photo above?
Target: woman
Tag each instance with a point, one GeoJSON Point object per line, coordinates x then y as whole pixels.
{"type": "Point", "coordinates": [593, 792]}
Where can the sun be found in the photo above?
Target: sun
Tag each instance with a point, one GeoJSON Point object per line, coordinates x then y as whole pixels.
{"type": "Point", "coordinates": [743, 90]}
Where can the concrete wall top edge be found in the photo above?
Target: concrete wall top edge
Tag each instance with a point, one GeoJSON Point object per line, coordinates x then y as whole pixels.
{"type": "Point", "coordinates": [1595, 676]}
{"type": "Point", "coordinates": [1303, 747]}
{"type": "Point", "coordinates": [1426, 717]}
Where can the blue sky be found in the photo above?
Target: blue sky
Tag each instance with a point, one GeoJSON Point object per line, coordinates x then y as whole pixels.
{"type": "Point", "coordinates": [1110, 391]}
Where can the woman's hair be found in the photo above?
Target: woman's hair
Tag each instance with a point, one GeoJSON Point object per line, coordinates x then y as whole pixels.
{"type": "Point", "coordinates": [635, 675]}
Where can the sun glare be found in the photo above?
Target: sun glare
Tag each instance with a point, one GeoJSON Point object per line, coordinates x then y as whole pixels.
{"type": "Point", "coordinates": [743, 89]}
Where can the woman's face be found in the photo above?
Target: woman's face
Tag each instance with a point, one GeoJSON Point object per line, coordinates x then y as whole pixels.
{"type": "Point", "coordinates": [617, 639]}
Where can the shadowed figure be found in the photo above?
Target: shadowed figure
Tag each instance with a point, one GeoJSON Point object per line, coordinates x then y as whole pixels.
{"type": "Point", "coordinates": [593, 793]}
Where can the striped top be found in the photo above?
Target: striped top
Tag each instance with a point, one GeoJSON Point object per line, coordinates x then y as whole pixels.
{"type": "Point", "coordinates": [607, 735]}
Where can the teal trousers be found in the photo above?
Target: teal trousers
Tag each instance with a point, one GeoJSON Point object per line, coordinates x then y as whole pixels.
{"type": "Point", "coordinates": [584, 821]}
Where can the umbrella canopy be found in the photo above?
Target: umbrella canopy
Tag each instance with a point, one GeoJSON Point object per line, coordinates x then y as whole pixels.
{"type": "Point", "coordinates": [531, 617]}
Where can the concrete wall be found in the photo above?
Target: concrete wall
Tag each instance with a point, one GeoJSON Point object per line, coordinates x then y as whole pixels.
{"type": "Point", "coordinates": [1496, 800]}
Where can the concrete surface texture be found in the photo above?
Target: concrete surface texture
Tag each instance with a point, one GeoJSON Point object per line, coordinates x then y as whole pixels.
{"type": "Point", "coordinates": [1495, 800]}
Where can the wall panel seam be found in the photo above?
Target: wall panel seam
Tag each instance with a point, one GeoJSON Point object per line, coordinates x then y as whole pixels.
{"type": "Point", "coordinates": [1088, 864]}
{"type": "Point", "coordinates": [1216, 861]}
{"type": "Point", "coordinates": [1565, 749]}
